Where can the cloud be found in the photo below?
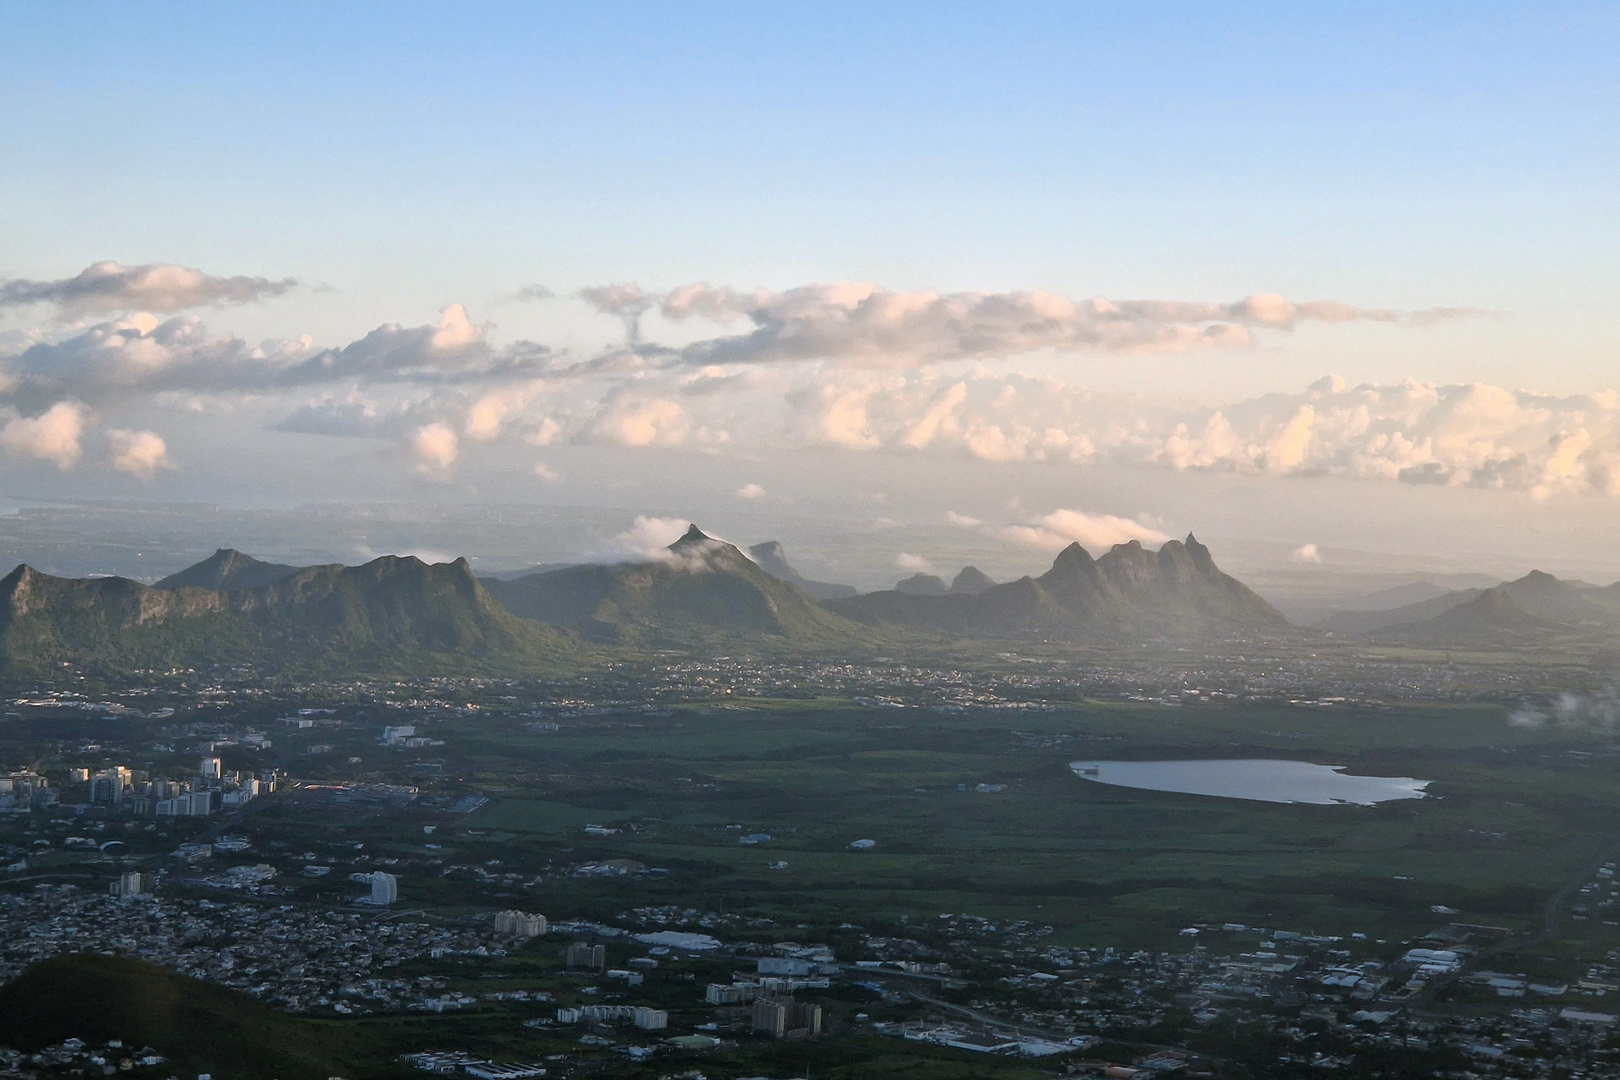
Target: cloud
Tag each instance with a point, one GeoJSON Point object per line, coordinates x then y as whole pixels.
{"type": "Point", "coordinates": [750, 492]}
{"type": "Point", "coordinates": [546, 472]}
{"type": "Point", "coordinates": [863, 325]}
{"type": "Point", "coordinates": [533, 292]}
{"type": "Point", "coordinates": [1590, 713]}
{"type": "Point", "coordinates": [139, 453]}
{"type": "Point", "coordinates": [962, 520]}
{"type": "Point", "coordinates": [56, 435]}
{"type": "Point", "coordinates": [1094, 532]}
{"type": "Point", "coordinates": [914, 563]}
{"type": "Point", "coordinates": [1306, 553]}
{"type": "Point", "coordinates": [646, 540]}
{"type": "Point", "coordinates": [625, 302]}
{"type": "Point", "coordinates": [640, 422]}
{"type": "Point", "coordinates": [1463, 435]}
{"type": "Point", "coordinates": [436, 448]}
{"type": "Point", "coordinates": [107, 287]}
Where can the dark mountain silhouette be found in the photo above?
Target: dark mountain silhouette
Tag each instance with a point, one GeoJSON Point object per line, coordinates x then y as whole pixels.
{"type": "Point", "coordinates": [1176, 593]}
{"type": "Point", "coordinates": [971, 581]}
{"type": "Point", "coordinates": [201, 1027]}
{"type": "Point", "coordinates": [771, 558]}
{"type": "Point", "coordinates": [922, 585]}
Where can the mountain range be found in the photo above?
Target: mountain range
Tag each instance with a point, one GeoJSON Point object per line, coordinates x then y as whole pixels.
{"type": "Point", "coordinates": [700, 590]}
{"type": "Point", "coordinates": [1128, 594]}
{"type": "Point", "coordinates": [391, 614]}
{"type": "Point", "coordinates": [1533, 610]}
{"type": "Point", "coordinates": [397, 614]}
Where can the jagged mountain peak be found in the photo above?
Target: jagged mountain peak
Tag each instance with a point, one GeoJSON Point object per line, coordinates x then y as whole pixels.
{"type": "Point", "coordinates": [693, 536]}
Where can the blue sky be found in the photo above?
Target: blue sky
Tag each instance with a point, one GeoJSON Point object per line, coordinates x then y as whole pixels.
{"type": "Point", "coordinates": [396, 159]}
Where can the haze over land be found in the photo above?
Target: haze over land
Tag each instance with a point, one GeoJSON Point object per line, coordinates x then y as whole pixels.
{"type": "Point", "coordinates": [1339, 355]}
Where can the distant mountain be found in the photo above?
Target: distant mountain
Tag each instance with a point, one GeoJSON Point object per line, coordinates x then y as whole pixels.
{"type": "Point", "coordinates": [700, 590]}
{"type": "Point", "coordinates": [1366, 622]}
{"type": "Point", "coordinates": [201, 1027]}
{"type": "Point", "coordinates": [1490, 619]}
{"type": "Point", "coordinates": [227, 570]}
{"type": "Point", "coordinates": [390, 615]}
{"type": "Point", "coordinates": [771, 558]}
{"type": "Point", "coordinates": [1535, 609]}
{"type": "Point", "coordinates": [922, 585]}
{"type": "Point", "coordinates": [972, 581]}
{"type": "Point", "coordinates": [1176, 594]}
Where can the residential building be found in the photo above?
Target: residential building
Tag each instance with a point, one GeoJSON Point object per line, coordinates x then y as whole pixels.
{"type": "Point", "coordinates": [384, 888]}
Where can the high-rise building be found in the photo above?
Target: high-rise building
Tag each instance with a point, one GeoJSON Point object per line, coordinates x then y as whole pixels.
{"type": "Point", "coordinates": [384, 888]}
{"type": "Point", "coordinates": [581, 955]}
{"type": "Point", "coordinates": [212, 768]}
{"type": "Point", "coordinates": [130, 884]}
{"type": "Point", "coordinates": [787, 1019]}
{"type": "Point", "coordinates": [519, 924]}
{"type": "Point", "coordinates": [650, 1019]}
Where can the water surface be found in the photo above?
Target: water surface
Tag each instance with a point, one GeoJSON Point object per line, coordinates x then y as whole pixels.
{"type": "Point", "coordinates": [1259, 779]}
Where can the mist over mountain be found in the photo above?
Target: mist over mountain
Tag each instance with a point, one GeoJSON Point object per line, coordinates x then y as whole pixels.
{"type": "Point", "coordinates": [773, 560]}
{"type": "Point", "coordinates": [699, 589]}
{"type": "Point", "coordinates": [1536, 609]}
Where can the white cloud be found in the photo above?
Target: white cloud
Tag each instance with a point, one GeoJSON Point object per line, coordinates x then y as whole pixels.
{"type": "Point", "coordinates": [56, 435]}
{"type": "Point", "coordinates": [861, 324]}
{"type": "Point", "coordinates": [916, 564]}
{"type": "Point", "coordinates": [750, 492]}
{"type": "Point", "coordinates": [962, 520]}
{"type": "Point", "coordinates": [638, 422]}
{"type": "Point", "coordinates": [1094, 532]}
{"type": "Point", "coordinates": [436, 448]}
{"type": "Point", "coordinates": [646, 540]}
{"type": "Point", "coordinates": [1306, 553]}
{"type": "Point", "coordinates": [139, 453]}
{"type": "Point", "coordinates": [106, 287]}
{"type": "Point", "coordinates": [546, 472]}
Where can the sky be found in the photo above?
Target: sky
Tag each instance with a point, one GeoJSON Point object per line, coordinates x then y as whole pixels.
{"type": "Point", "coordinates": [1310, 279]}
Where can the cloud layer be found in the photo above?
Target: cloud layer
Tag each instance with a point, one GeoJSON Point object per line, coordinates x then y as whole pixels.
{"type": "Point", "coordinates": [162, 287]}
{"type": "Point", "coordinates": [851, 366]}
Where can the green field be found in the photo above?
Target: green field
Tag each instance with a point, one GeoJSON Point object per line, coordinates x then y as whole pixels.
{"type": "Point", "coordinates": [1514, 817]}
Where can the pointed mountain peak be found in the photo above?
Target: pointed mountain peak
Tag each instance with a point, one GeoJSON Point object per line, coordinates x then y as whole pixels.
{"type": "Point", "coordinates": [693, 536]}
{"type": "Point", "coordinates": [1074, 553]}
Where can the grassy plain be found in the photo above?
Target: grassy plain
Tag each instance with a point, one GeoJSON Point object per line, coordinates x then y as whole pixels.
{"type": "Point", "coordinates": [1515, 814]}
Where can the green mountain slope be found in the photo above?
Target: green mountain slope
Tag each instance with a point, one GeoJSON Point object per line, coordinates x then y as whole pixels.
{"type": "Point", "coordinates": [199, 1027]}
{"type": "Point", "coordinates": [702, 590]}
{"type": "Point", "coordinates": [390, 615]}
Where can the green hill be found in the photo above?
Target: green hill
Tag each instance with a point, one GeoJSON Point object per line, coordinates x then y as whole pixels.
{"type": "Point", "coordinates": [390, 615]}
{"type": "Point", "coordinates": [703, 590]}
{"type": "Point", "coordinates": [201, 1028]}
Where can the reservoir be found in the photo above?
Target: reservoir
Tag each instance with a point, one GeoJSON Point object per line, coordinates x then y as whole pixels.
{"type": "Point", "coordinates": [1260, 779]}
